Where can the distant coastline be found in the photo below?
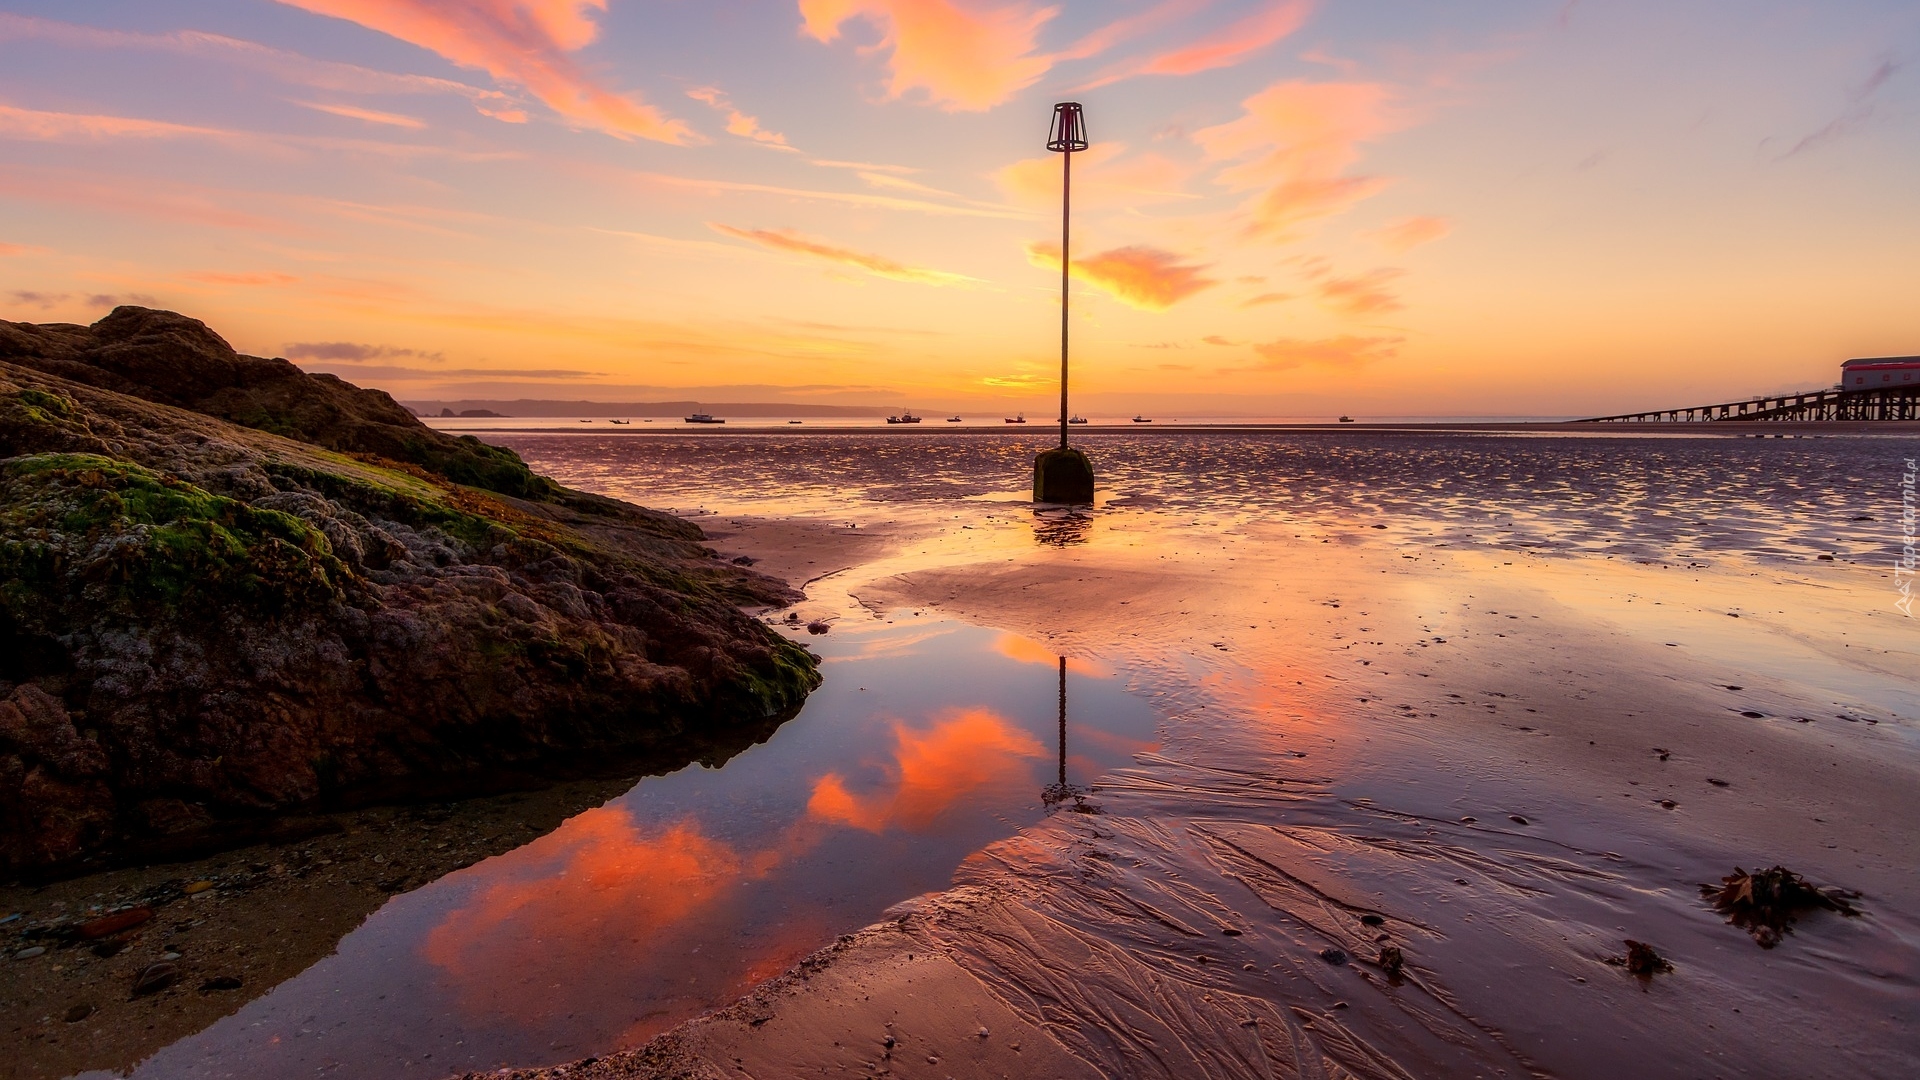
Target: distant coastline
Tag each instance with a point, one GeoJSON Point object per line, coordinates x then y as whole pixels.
{"type": "Point", "coordinates": [570, 409]}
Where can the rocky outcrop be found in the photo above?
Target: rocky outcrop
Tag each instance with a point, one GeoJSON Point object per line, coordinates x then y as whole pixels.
{"type": "Point", "coordinates": [204, 625]}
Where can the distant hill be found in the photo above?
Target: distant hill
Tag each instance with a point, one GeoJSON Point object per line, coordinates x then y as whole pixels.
{"type": "Point", "coordinates": [640, 408]}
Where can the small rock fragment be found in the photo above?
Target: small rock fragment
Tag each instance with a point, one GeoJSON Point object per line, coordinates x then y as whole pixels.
{"type": "Point", "coordinates": [1372, 920]}
{"type": "Point", "coordinates": [155, 977]}
{"type": "Point", "coordinates": [818, 626]}
{"type": "Point", "coordinates": [30, 952]}
{"type": "Point", "coordinates": [79, 1012]}
{"type": "Point", "coordinates": [1333, 956]}
{"type": "Point", "coordinates": [220, 982]}
{"type": "Point", "coordinates": [1641, 960]}
{"type": "Point", "coordinates": [1517, 819]}
{"type": "Point", "coordinates": [114, 923]}
{"type": "Point", "coordinates": [1391, 960]}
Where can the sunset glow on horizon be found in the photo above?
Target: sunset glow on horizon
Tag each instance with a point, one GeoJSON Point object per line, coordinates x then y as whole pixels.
{"type": "Point", "coordinates": [1290, 208]}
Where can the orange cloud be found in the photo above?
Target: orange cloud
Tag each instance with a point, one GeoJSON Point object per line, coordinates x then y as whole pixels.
{"type": "Point", "coordinates": [1409, 233]}
{"type": "Point", "coordinates": [1266, 298]}
{"type": "Point", "coordinates": [1029, 651]}
{"type": "Point", "coordinates": [1363, 294]}
{"type": "Point", "coordinates": [522, 42]}
{"type": "Point", "coordinates": [739, 123]}
{"type": "Point", "coordinates": [1103, 176]}
{"type": "Point", "coordinates": [878, 265]}
{"type": "Point", "coordinates": [1223, 49]}
{"type": "Point", "coordinates": [847, 198]}
{"type": "Point", "coordinates": [1138, 276]}
{"type": "Point", "coordinates": [20, 249]}
{"type": "Point", "coordinates": [1345, 351]}
{"type": "Point", "coordinates": [371, 116]}
{"type": "Point", "coordinates": [597, 881]}
{"type": "Point", "coordinates": [1294, 145]}
{"type": "Point", "coordinates": [967, 55]}
{"type": "Point", "coordinates": [932, 770]}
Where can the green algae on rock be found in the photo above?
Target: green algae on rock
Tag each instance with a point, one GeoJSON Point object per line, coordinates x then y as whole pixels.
{"type": "Point", "coordinates": [205, 625]}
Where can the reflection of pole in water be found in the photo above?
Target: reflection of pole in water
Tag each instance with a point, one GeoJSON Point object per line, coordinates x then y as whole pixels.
{"type": "Point", "coordinates": [1055, 794]}
{"type": "Point", "coordinates": [1063, 722]}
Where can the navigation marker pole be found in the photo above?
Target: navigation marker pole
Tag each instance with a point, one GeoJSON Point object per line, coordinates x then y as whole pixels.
{"type": "Point", "coordinates": [1064, 475]}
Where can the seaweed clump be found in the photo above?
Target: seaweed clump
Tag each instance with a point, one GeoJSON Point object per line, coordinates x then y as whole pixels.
{"type": "Point", "coordinates": [1768, 903]}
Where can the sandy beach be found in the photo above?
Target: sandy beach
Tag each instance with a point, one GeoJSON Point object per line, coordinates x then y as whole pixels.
{"type": "Point", "coordinates": [1502, 764]}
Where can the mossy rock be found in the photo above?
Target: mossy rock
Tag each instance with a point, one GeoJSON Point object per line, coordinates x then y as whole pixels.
{"type": "Point", "coordinates": [1062, 475]}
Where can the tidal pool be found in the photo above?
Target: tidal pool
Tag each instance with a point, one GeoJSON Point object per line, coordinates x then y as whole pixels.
{"type": "Point", "coordinates": [928, 740]}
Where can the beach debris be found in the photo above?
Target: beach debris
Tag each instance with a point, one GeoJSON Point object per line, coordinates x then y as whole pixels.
{"type": "Point", "coordinates": [1718, 783]}
{"type": "Point", "coordinates": [744, 560]}
{"type": "Point", "coordinates": [818, 626]}
{"type": "Point", "coordinates": [196, 887]}
{"type": "Point", "coordinates": [793, 616]}
{"type": "Point", "coordinates": [155, 977]}
{"type": "Point", "coordinates": [1391, 959]}
{"type": "Point", "coordinates": [1372, 920]}
{"type": "Point", "coordinates": [1767, 904]}
{"type": "Point", "coordinates": [1641, 960]}
{"type": "Point", "coordinates": [1824, 558]}
{"type": "Point", "coordinates": [79, 1012]}
{"type": "Point", "coordinates": [107, 925]}
{"type": "Point", "coordinates": [1333, 956]}
{"type": "Point", "coordinates": [1668, 803]}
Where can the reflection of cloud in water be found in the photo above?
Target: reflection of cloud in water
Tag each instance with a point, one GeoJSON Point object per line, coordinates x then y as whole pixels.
{"type": "Point", "coordinates": [563, 903]}
{"type": "Point", "coordinates": [1029, 651]}
{"type": "Point", "coordinates": [932, 770]}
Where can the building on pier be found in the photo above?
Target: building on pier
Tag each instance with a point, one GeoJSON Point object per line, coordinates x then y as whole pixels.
{"type": "Point", "coordinates": [1880, 372]}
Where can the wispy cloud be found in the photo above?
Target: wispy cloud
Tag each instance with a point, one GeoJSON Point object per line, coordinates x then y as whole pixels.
{"type": "Point", "coordinates": [350, 351]}
{"type": "Point", "coordinates": [290, 67]}
{"type": "Point", "coordinates": [1139, 276]}
{"type": "Point", "coordinates": [404, 373]}
{"type": "Point", "coordinates": [1408, 233]}
{"type": "Point", "coordinates": [43, 300]}
{"type": "Point", "coordinates": [1859, 110]}
{"type": "Point", "coordinates": [786, 240]}
{"type": "Point", "coordinates": [1362, 294]}
{"type": "Point", "coordinates": [1266, 298]}
{"type": "Point", "coordinates": [1293, 146]}
{"type": "Point", "coordinates": [739, 123]}
{"type": "Point", "coordinates": [845, 198]}
{"type": "Point", "coordinates": [1346, 351]}
{"type": "Point", "coordinates": [17, 123]}
{"type": "Point", "coordinates": [214, 277]}
{"type": "Point", "coordinates": [525, 43]}
{"type": "Point", "coordinates": [1103, 176]}
{"type": "Point", "coordinates": [371, 116]}
{"type": "Point", "coordinates": [965, 56]}
{"type": "Point", "coordinates": [1224, 48]}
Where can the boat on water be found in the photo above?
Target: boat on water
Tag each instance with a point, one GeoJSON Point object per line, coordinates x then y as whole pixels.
{"type": "Point", "coordinates": [1019, 419]}
{"type": "Point", "coordinates": [1143, 420]}
{"type": "Point", "coordinates": [953, 419]}
{"type": "Point", "coordinates": [1076, 419]}
{"type": "Point", "coordinates": [1346, 419]}
{"type": "Point", "coordinates": [796, 421]}
{"type": "Point", "coordinates": [904, 418]}
{"type": "Point", "coordinates": [704, 418]}
{"type": "Point", "coordinates": [619, 421]}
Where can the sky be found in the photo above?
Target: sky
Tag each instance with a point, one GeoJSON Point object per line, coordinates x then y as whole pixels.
{"type": "Point", "coordinates": [1292, 208]}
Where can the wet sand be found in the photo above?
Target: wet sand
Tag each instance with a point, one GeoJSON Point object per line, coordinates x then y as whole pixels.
{"type": "Point", "coordinates": [1501, 764]}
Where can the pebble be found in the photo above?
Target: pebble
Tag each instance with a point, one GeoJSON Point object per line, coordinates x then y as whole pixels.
{"type": "Point", "coordinates": [197, 887]}
{"type": "Point", "coordinates": [79, 1012]}
{"type": "Point", "coordinates": [1333, 956]}
{"type": "Point", "coordinates": [30, 952]}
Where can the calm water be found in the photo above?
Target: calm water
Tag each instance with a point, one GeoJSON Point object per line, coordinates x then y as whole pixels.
{"type": "Point", "coordinates": [931, 739]}
{"type": "Point", "coordinates": [927, 741]}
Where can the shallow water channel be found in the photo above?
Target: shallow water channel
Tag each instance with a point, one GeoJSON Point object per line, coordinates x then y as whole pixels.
{"type": "Point", "coordinates": [928, 740]}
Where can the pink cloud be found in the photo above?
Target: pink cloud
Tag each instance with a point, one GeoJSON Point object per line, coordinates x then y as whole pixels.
{"type": "Point", "coordinates": [371, 116]}
{"type": "Point", "coordinates": [1142, 277]}
{"type": "Point", "coordinates": [739, 123]}
{"type": "Point", "coordinates": [1266, 298]}
{"type": "Point", "coordinates": [41, 126]}
{"type": "Point", "coordinates": [522, 42]}
{"type": "Point", "coordinates": [1408, 233]}
{"type": "Point", "coordinates": [1293, 145]}
{"type": "Point", "coordinates": [965, 55]}
{"type": "Point", "coordinates": [1224, 48]}
{"type": "Point", "coordinates": [791, 242]}
{"type": "Point", "coordinates": [1362, 294]}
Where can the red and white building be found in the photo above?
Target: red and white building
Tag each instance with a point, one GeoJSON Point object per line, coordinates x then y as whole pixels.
{"type": "Point", "coordinates": [1880, 372]}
